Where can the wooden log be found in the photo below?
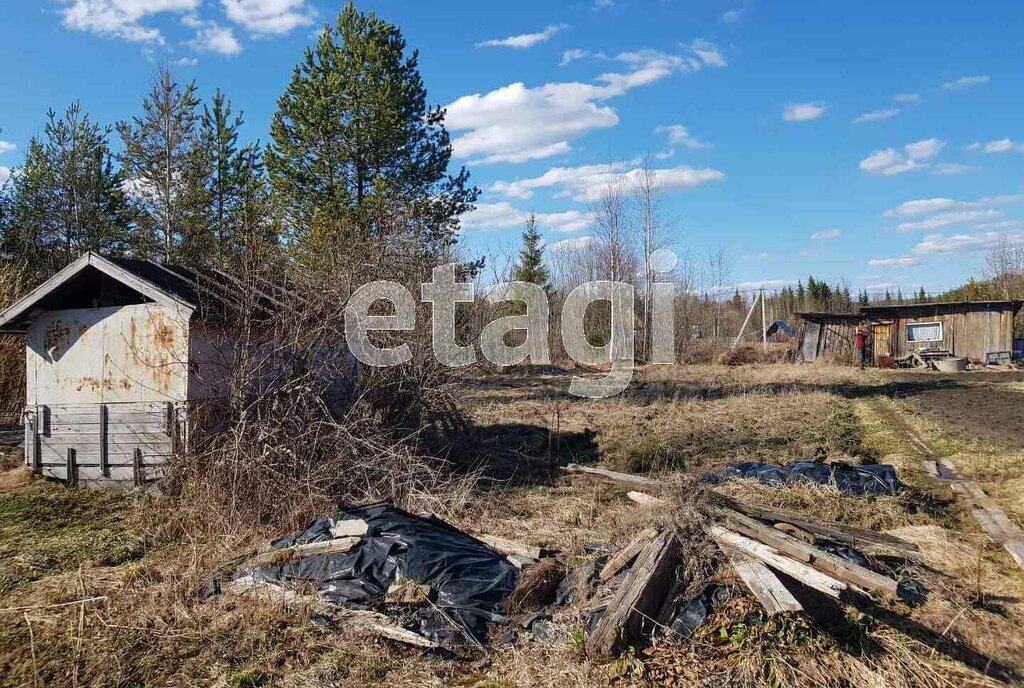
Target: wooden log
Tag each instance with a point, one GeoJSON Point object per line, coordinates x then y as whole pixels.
{"type": "Point", "coordinates": [626, 479]}
{"type": "Point", "coordinates": [636, 605]}
{"type": "Point", "coordinates": [771, 556]}
{"type": "Point", "coordinates": [823, 561]}
{"type": "Point", "coordinates": [381, 625]}
{"type": "Point", "coordinates": [628, 553]}
{"type": "Point", "coordinates": [798, 533]}
{"type": "Point", "coordinates": [830, 530]}
{"type": "Point", "coordinates": [765, 585]}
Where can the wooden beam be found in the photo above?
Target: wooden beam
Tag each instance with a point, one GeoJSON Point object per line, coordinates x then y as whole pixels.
{"type": "Point", "coordinates": [640, 598]}
{"type": "Point", "coordinates": [765, 585]}
{"type": "Point", "coordinates": [71, 476]}
{"type": "Point", "coordinates": [627, 554]}
{"type": "Point", "coordinates": [309, 549]}
{"type": "Point", "coordinates": [830, 530]}
{"type": "Point", "coordinates": [626, 479]}
{"type": "Point", "coordinates": [769, 555]}
{"type": "Point", "coordinates": [817, 558]}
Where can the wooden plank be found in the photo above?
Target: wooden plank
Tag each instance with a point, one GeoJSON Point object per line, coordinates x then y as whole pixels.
{"type": "Point", "coordinates": [116, 408]}
{"type": "Point", "coordinates": [116, 453]}
{"type": "Point", "coordinates": [823, 561]}
{"type": "Point", "coordinates": [89, 418]}
{"type": "Point", "coordinates": [507, 547]}
{"type": "Point", "coordinates": [769, 555]}
{"type": "Point", "coordinates": [113, 426]}
{"type": "Point", "coordinates": [93, 474]}
{"type": "Point", "coordinates": [627, 554]}
{"type": "Point", "coordinates": [636, 605]}
{"type": "Point", "coordinates": [138, 468]}
{"type": "Point", "coordinates": [309, 549]}
{"type": "Point", "coordinates": [627, 479]}
{"type": "Point", "coordinates": [826, 529]}
{"type": "Point", "coordinates": [645, 499]}
{"type": "Point", "coordinates": [765, 585]}
{"type": "Point", "coordinates": [131, 438]}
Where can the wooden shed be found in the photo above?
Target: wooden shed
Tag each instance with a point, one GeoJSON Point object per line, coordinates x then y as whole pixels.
{"type": "Point", "coordinates": [828, 336]}
{"type": "Point", "coordinates": [116, 351]}
{"type": "Point", "coordinates": [977, 330]}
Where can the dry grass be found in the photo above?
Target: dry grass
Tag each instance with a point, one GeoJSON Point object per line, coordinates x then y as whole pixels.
{"type": "Point", "coordinates": [153, 629]}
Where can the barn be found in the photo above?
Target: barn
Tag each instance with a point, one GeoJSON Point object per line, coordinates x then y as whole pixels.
{"type": "Point", "coordinates": [117, 350]}
{"type": "Point", "coordinates": [981, 331]}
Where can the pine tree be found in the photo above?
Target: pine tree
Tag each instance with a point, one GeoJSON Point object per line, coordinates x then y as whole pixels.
{"type": "Point", "coordinates": [166, 168]}
{"type": "Point", "coordinates": [355, 143]}
{"type": "Point", "coordinates": [67, 198]}
{"type": "Point", "coordinates": [922, 296]}
{"type": "Point", "coordinates": [864, 298]}
{"type": "Point", "coordinates": [235, 186]}
{"type": "Point", "coordinates": [530, 267]}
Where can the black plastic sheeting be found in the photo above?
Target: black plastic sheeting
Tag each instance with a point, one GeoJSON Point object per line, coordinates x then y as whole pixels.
{"type": "Point", "coordinates": [694, 613]}
{"type": "Point", "coordinates": [471, 580]}
{"type": "Point", "coordinates": [877, 479]}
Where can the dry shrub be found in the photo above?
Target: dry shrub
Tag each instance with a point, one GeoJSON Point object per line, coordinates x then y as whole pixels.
{"type": "Point", "coordinates": [15, 280]}
{"type": "Point", "coordinates": [749, 354]}
{"type": "Point", "coordinates": [301, 425]}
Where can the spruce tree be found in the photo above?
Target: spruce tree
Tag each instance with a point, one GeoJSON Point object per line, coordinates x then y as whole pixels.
{"type": "Point", "coordinates": [356, 151]}
{"type": "Point", "coordinates": [166, 168]}
{"type": "Point", "coordinates": [66, 198]}
{"type": "Point", "coordinates": [530, 267]}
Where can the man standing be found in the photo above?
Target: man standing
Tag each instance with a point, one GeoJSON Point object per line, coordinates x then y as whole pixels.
{"type": "Point", "coordinates": [859, 341]}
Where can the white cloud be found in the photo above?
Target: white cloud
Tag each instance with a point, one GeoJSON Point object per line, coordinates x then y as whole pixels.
{"type": "Point", "coordinates": [708, 53]}
{"type": "Point", "coordinates": [965, 82]}
{"type": "Point", "coordinates": [927, 206]}
{"type": "Point", "coordinates": [185, 62]}
{"type": "Point", "coordinates": [947, 219]}
{"type": "Point", "coordinates": [504, 215]}
{"type": "Point", "coordinates": [211, 37]}
{"type": "Point", "coordinates": [573, 55]}
{"type": "Point", "coordinates": [1001, 146]}
{"type": "Point", "coordinates": [7, 147]}
{"type": "Point", "coordinates": [523, 40]}
{"type": "Point", "coordinates": [963, 243]}
{"type": "Point", "coordinates": [269, 17]}
{"type": "Point", "coordinates": [588, 181]}
{"type": "Point", "coordinates": [803, 112]}
{"type": "Point", "coordinates": [120, 18]}
{"type": "Point", "coordinates": [679, 135]}
{"type": "Point", "coordinates": [826, 234]}
{"type": "Point", "coordinates": [5, 174]}
{"type": "Point", "coordinates": [876, 115]}
{"type": "Point", "coordinates": [572, 244]}
{"type": "Point", "coordinates": [731, 16]}
{"type": "Point", "coordinates": [516, 123]}
{"type": "Point", "coordinates": [907, 98]}
{"type": "Point", "coordinates": [889, 161]}
{"type": "Point", "coordinates": [948, 168]}
{"type": "Point", "coordinates": [902, 262]}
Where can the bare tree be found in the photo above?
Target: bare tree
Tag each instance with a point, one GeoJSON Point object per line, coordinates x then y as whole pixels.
{"type": "Point", "coordinates": [648, 195]}
{"type": "Point", "coordinates": [718, 273]}
{"type": "Point", "coordinates": [1004, 265]}
{"type": "Point", "coordinates": [611, 226]}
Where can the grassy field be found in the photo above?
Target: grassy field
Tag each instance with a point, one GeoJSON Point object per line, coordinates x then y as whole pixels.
{"type": "Point", "coordinates": [140, 563]}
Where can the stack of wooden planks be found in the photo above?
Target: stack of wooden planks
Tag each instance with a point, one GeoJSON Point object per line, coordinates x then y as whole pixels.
{"type": "Point", "coordinates": [760, 542]}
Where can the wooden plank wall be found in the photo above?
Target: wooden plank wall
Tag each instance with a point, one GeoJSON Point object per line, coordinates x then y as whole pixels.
{"type": "Point", "coordinates": [105, 440]}
{"type": "Point", "coordinates": [968, 331]}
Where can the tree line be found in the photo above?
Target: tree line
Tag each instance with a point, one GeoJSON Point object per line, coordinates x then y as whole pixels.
{"type": "Point", "coordinates": [355, 154]}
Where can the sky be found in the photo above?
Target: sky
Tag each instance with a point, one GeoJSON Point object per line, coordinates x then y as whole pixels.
{"type": "Point", "coordinates": [877, 142]}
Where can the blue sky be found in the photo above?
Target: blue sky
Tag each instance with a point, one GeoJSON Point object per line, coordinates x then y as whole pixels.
{"type": "Point", "coordinates": [881, 142]}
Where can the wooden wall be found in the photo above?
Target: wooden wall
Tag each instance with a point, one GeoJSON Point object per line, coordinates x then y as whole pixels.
{"type": "Point", "coordinates": [968, 331]}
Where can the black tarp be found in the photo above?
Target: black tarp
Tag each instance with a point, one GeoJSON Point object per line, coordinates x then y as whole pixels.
{"type": "Point", "coordinates": [471, 580]}
{"type": "Point", "coordinates": [877, 479]}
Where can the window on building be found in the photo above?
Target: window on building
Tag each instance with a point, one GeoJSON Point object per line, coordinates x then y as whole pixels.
{"type": "Point", "coordinates": [924, 332]}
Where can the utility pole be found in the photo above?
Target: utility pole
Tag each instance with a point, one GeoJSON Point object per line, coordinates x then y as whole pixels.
{"type": "Point", "coordinates": [764, 322]}
{"type": "Point", "coordinates": [746, 320]}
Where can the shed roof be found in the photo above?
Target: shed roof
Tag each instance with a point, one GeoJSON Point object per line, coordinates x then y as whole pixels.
{"type": "Point", "coordinates": [824, 315]}
{"type": "Point", "coordinates": [169, 285]}
{"type": "Point", "coordinates": [1006, 304]}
